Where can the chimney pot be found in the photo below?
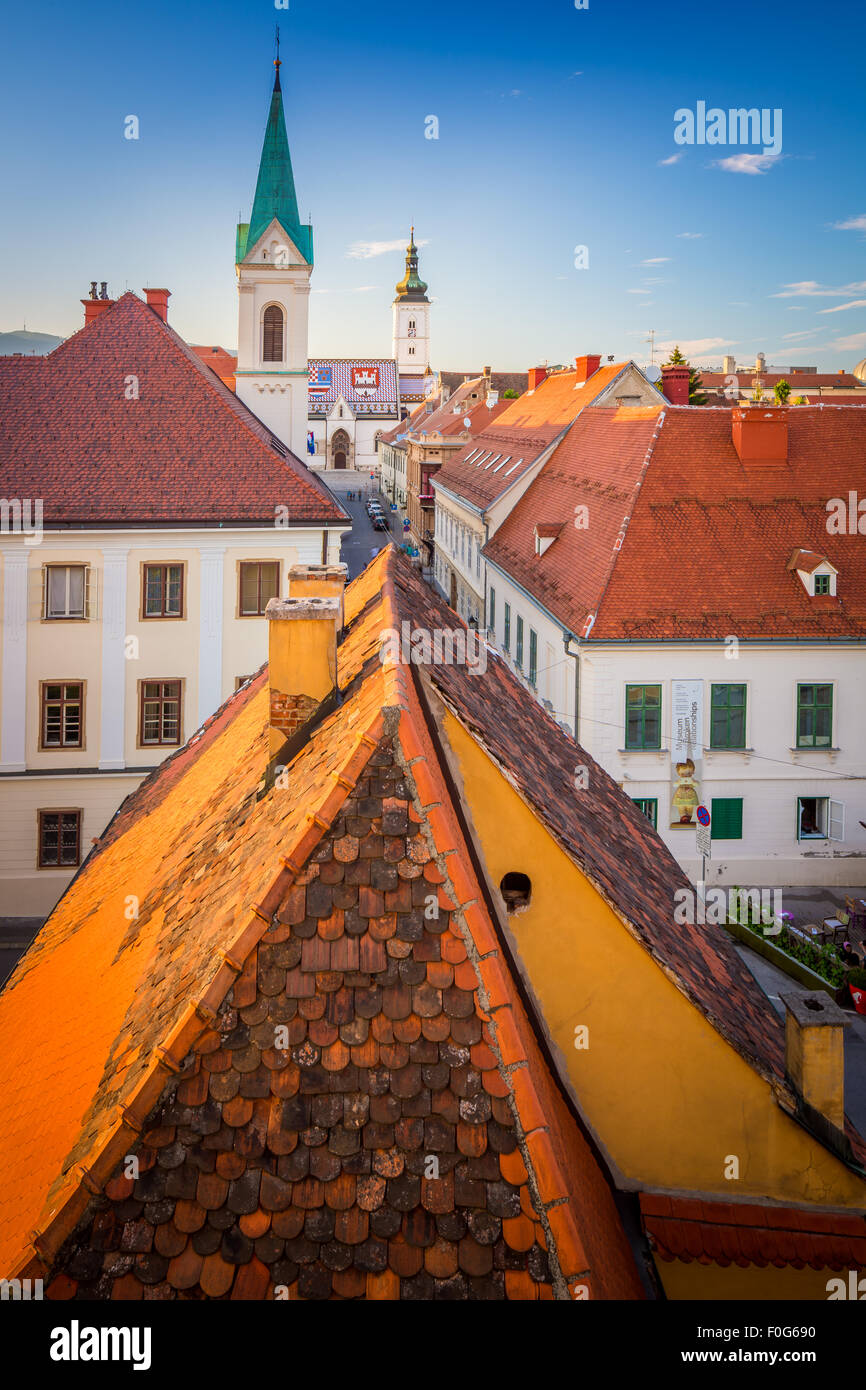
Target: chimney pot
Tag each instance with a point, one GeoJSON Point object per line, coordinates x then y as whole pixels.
{"type": "Point", "coordinates": [815, 1054]}
{"type": "Point", "coordinates": [319, 581]}
{"type": "Point", "coordinates": [96, 304]}
{"type": "Point", "coordinates": [760, 435]}
{"type": "Point", "coordinates": [675, 383]}
{"type": "Point", "coordinates": [302, 661]}
{"type": "Point", "coordinates": [586, 366]}
{"type": "Point", "coordinates": [157, 300]}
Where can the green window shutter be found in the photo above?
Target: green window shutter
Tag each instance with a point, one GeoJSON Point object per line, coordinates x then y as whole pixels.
{"type": "Point", "coordinates": [643, 716]}
{"type": "Point", "coordinates": [727, 818]}
{"type": "Point", "coordinates": [728, 716]}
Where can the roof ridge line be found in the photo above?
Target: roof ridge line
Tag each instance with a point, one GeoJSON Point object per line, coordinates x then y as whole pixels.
{"type": "Point", "coordinates": [499, 994]}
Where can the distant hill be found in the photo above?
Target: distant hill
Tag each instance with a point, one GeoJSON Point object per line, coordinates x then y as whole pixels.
{"type": "Point", "coordinates": [22, 340]}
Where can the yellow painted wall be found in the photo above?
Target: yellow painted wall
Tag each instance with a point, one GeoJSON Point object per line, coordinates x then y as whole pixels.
{"type": "Point", "coordinates": [713, 1282]}
{"type": "Point", "coordinates": [668, 1098]}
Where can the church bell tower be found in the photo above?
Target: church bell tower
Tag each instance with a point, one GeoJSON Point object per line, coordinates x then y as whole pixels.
{"type": "Point", "coordinates": [274, 262]}
{"type": "Point", "coordinates": [412, 318]}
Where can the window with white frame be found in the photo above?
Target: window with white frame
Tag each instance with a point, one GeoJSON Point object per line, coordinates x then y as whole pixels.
{"type": "Point", "coordinates": [65, 591]}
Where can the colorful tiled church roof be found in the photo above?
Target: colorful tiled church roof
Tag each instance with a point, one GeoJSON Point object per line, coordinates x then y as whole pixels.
{"type": "Point", "coordinates": [124, 424]}
{"type": "Point", "coordinates": [363, 382]}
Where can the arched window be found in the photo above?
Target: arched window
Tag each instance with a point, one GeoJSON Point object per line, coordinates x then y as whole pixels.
{"type": "Point", "coordinates": [272, 347]}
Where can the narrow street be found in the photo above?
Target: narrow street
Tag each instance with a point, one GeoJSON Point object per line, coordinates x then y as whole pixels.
{"type": "Point", "coordinates": [360, 544]}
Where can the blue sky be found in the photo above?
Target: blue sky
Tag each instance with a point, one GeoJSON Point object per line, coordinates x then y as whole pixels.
{"type": "Point", "coordinates": [553, 125]}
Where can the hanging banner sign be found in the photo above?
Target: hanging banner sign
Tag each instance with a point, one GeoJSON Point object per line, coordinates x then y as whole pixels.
{"type": "Point", "coordinates": [687, 724]}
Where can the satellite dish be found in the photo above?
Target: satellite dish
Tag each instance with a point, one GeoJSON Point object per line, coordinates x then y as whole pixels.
{"type": "Point", "coordinates": [652, 372]}
{"type": "Point", "coordinates": [467, 422]}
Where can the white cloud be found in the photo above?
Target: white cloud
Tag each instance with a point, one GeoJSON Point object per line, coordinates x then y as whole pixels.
{"type": "Point", "coordinates": [366, 250]}
{"type": "Point", "coordinates": [747, 163]}
{"type": "Point", "coordinates": [656, 260]}
{"type": "Point", "coordinates": [800, 289]}
{"type": "Point", "coordinates": [576, 74]}
{"type": "Point", "coordinates": [837, 308]}
{"type": "Point", "coordinates": [806, 333]}
{"type": "Point", "coordinates": [672, 159]}
{"type": "Point", "coordinates": [853, 224]}
{"type": "Point", "coordinates": [698, 350]}
{"type": "Point", "coordinates": [690, 236]}
{"type": "Point", "coordinates": [855, 342]}
{"type": "Point", "coordinates": [638, 291]}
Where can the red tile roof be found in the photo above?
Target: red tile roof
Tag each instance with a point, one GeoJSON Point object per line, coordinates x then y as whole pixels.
{"type": "Point", "coordinates": [799, 382]}
{"type": "Point", "coordinates": [184, 450]}
{"type": "Point", "coordinates": [598, 466]}
{"type": "Point", "coordinates": [220, 361]}
{"type": "Point", "coordinates": [732, 528]}
{"type": "Point", "coordinates": [744, 1234]}
{"type": "Point", "coordinates": [520, 433]}
{"type": "Point", "coordinates": [448, 418]}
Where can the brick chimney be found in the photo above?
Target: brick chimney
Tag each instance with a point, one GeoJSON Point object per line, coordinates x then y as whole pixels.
{"type": "Point", "coordinates": [302, 656]}
{"type": "Point", "coordinates": [815, 1058]}
{"type": "Point", "coordinates": [535, 376]}
{"type": "Point", "coordinates": [157, 300]}
{"type": "Point", "coordinates": [760, 435]}
{"type": "Point", "coordinates": [675, 383]}
{"type": "Point", "coordinates": [319, 581]}
{"type": "Point", "coordinates": [586, 366]}
{"type": "Point", "coordinates": [97, 303]}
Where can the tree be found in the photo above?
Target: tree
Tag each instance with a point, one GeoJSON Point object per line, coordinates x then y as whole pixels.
{"type": "Point", "coordinates": [510, 395]}
{"type": "Point", "coordinates": [696, 385]}
{"type": "Point", "coordinates": [781, 391]}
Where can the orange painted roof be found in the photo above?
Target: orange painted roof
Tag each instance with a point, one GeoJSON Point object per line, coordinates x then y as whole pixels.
{"type": "Point", "coordinates": [519, 434]}
{"type": "Point", "coordinates": [205, 902]}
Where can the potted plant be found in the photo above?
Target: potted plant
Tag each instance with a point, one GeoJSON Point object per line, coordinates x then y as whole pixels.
{"type": "Point", "coordinates": [857, 988]}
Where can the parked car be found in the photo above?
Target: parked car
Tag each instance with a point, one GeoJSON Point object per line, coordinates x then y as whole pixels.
{"type": "Point", "coordinates": [379, 522]}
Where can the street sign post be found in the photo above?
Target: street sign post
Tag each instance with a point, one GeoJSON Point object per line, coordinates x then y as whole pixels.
{"type": "Point", "coordinates": [703, 840]}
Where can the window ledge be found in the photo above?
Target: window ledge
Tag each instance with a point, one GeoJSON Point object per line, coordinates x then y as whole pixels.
{"type": "Point", "coordinates": [659, 752]}
{"type": "Point", "coordinates": [743, 752]}
{"type": "Point", "coordinates": [809, 749]}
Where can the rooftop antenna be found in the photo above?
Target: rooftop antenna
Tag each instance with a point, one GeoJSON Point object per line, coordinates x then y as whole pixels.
{"type": "Point", "coordinates": [652, 342]}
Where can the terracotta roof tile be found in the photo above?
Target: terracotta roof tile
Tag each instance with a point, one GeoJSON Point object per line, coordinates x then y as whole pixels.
{"type": "Point", "coordinates": [301, 1160]}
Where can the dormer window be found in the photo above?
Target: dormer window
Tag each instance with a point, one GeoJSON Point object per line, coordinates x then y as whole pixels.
{"type": "Point", "coordinates": [815, 573]}
{"type": "Point", "coordinates": [545, 534]}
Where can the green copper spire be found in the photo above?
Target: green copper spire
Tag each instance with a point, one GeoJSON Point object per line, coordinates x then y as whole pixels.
{"type": "Point", "coordinates": [275, 189]}
{"type": "Point", "coordinates": [412, 287]}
